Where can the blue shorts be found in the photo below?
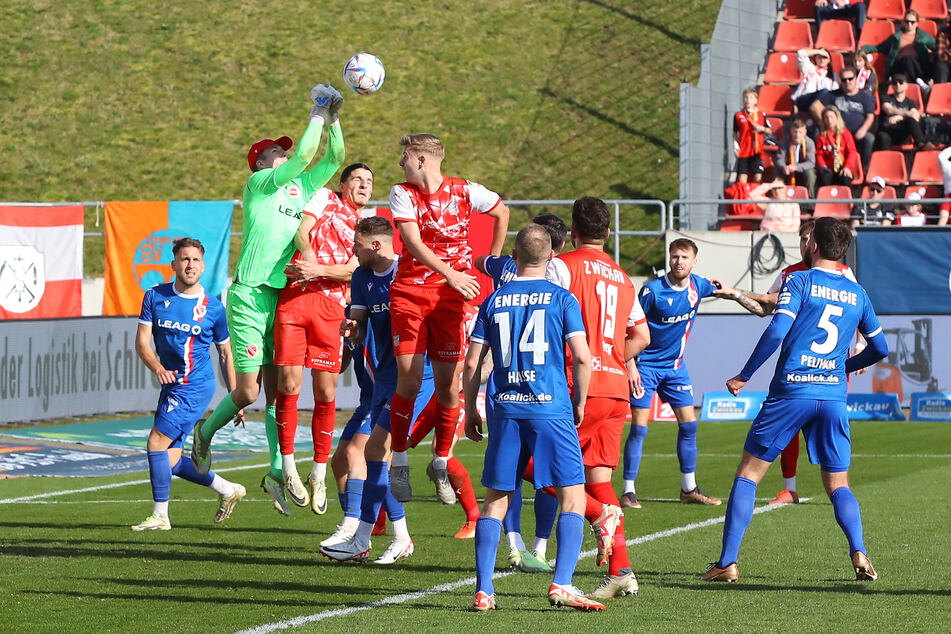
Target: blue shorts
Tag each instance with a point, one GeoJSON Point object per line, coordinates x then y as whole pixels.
{"type": "Point", "coordinates": [179, 408]}
{"type": "Point", "coordinates": [672, 386]}
{"type": "Point", "coordinates": [824, 424]}
{"type": "Point", "coordinates": [552, 443]}
{"type": "Point", "coordinates": [361, 421]}
{"type": "Point", "coordinates": [383, 394]}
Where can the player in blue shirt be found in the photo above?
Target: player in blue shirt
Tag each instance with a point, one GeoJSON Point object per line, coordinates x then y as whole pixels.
{"type": "Point", "coordinates": [670, 304]}
{"type": "Point", "coordinates": [526, 324]}
{"type": "Point", "coordinates": [816, 314]}
{"type": "Point", "coordinates": [183, 322]}
{"type": "Point", "coordinates": [370, 303]}
{"type": "Point", "coordinates": [502, 269]}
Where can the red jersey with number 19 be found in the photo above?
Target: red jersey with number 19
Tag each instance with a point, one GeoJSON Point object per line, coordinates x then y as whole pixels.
{"type": "Point", "coordinates": [609, 307]}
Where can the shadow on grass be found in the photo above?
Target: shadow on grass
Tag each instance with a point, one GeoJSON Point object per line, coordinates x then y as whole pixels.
{"type": "Point", "coordinates": [839, 586]}
{"type": "Point", "coordinates": [203, 527]}
{"type": "Point", "coordinates": [677, 37]}
{"type": "Point", "coordinates": [305, 602]}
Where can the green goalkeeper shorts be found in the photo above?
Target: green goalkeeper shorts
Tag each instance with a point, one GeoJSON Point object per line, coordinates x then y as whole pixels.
{"type": "Point", "coordinates": [251, 312]}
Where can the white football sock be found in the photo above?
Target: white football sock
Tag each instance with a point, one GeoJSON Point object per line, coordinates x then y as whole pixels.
{"type": "Point", "coordinates": [399, 459]}
{"type": "Point", "coordinates": [688, 481]}
{"type": "Point", "coordinates": [629, 487]}
{"type": "Point", "coordinates": [440, 462]}
{"type": "Point", "coordinates": [515, 540]}
{"type": "Point", "coordinates": [160, 508]}
{"type": "Point", "coordinates": [288, 464]}
{"type": "Point", "coordinates": [400, 530]}
{"type": "Point", "coordinates": [540, 545]}
{"type": "Point", "coordinates": [789, 483]}
{"type": "Point", "coordinates": [319, 471]}
{"type": "Point", "coordinates": [351, 523]}
{"type": "Point", "coordinates": [221, 486]}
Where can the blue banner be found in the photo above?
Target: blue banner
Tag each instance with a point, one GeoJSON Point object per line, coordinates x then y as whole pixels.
{"type": "Point", "coordinates": [931, 406]}
{"type": "Point", "coordinates": [906, 271]}
{"type": "Point", "coordinates": [208, 221]}
{"type": "Point", "coordinates": [725, 406]}
{"type": "Point", "coordinates": [882, 406]}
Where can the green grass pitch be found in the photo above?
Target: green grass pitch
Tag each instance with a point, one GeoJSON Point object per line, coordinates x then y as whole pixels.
{"type": "Point", "coordinates": [69, 561]}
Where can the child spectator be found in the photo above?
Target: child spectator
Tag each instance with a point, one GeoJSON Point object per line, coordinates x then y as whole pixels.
{"type": "Point", "coordinates": [749, 134]}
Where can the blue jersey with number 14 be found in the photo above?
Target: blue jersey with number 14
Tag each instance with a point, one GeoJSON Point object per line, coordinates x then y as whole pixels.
{"type": "Point", "coordinates": [526, 323]}
{"type": "Point", "coordinates": [826, 308]}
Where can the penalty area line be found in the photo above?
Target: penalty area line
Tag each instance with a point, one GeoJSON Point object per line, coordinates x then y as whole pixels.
{"type": "Point", "coordinates": [468, 581]}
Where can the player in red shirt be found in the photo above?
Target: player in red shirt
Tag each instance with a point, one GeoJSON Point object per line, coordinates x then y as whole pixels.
{"type": "Point", "coordinates": [750, 126]}
{"type": "Point", "coordinates": [616, 331]}
{"type": "Point", "coordinates": [307, 323]}
{"type": "Point", "coordinates": [429, 293]}
{"type": "Point", "coordinates": [764, 305]}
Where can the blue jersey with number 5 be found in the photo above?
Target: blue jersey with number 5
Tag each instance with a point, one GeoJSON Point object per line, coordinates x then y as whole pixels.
{"type": "Point", "coordinates": [526, 323]}
{"type": "Point", "coordinates": [826, 308]}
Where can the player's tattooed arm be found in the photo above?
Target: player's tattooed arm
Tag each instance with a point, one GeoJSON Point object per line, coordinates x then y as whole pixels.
{"type": "Point", "coordinates": [760, 305]}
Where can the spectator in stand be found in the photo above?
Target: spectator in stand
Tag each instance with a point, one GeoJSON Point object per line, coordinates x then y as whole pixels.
{"type": "Point", "coordinates": [749, 133]}
{"type": "Point", "coordinates": [900, 118]}
{"type": "Point", "coordinates": [837, 160]}
{"type": "Point", "coordinates": [872, 211]}
{"type": "Point", "coordinates": [944, 162]}
{"type": "Point", "coordinates": [857, 108]}
{"type": "Point", "coordinates": [908, 51]}
{"type": "Point", "coordinates": [867, 78]}
{"type": "Point", "coordinates": [779, 214]}
{"type": "Point", "coordinates": [914, 215]}
{"type": "Point", "coordinates": [817, 78]}
{"type": "Point", "coordinates": [942, 61]}
{"type": "Point", "coordinates": [841, 10]}
{"type": "Point", "coordinates": [795, 161]}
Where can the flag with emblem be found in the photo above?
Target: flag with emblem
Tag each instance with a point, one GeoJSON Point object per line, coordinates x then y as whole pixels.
{"type": "Point", "coordinates": [41, 261]}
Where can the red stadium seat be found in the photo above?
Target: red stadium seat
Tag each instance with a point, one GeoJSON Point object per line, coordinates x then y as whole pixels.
{"type": "Point", "coordinates": [913, 92]}
{"type": "Point", "coordinates": [800, 9]}
{"type": "Point", "coordinates": [859, 177]}
{"type": "Point", "coordinates": [792, 36]}
{"type": "Point", "coordinates": [875, 32]}
{"type": "Point", "coordinates": [885, 9]}
{"type": "Point", "coordinates": [925, 191]}
{"type": "Point", "coordinates": [932, 9]}
{"type": "Point", "coordinates": [939, 100]}
{"type": "Point", "coordinates": [890, 165]}
{"type": "Point", "coordinates": [836, 35]}
{"type": "Point", "coordinates": [836, 61]}
{"type": "Point", "coordinates": [776, 100]}
{"type": "Point", "coordinates": [925, 167]}
{"type": "Point", "coordinates": [836, 210]}
{"type": "Point", "coordinates": [889, 192]}
{"type": "Point", "coordinates": [781, 68]}
{"type": "Point", "coordinates": [797, 192]}
{"type": "Point", "coordinates": [930, 27]}
{"type": "Point", "coordinates": [878, 65]}
{"type": "Point", "coordinates": [776, 125]}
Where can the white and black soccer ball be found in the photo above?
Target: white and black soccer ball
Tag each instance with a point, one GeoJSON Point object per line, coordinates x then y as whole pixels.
{"type": "Point", "coordinates": [364, 73]}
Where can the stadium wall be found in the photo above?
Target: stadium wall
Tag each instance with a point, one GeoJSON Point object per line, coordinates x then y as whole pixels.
{"type": "Point", "coordinates": [729, 64]}
{"type": "Point", "coordinates": [59, 368]}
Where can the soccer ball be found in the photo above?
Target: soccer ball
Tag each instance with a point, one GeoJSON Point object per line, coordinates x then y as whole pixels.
{"type": "Point", "coordinates": [364, 73]}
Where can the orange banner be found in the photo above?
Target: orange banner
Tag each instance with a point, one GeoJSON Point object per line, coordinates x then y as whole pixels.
{"type": "Point", "coordinates": [133, 235]}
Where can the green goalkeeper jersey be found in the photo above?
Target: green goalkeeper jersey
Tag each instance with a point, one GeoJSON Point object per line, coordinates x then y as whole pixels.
{"type": "Point", "coordinates": [273, 200]}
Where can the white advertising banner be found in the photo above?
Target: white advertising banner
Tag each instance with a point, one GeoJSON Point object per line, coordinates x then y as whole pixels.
{"type": "Point", "coordinates": [59, 368]}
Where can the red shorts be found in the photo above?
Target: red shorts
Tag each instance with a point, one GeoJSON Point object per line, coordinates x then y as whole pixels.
{"type": "Point", "coordinates": [601, 431]}
{"type": "Point", "coordinates": [307, 331]}
{"type": "Point", "coordinates": [428, 319]}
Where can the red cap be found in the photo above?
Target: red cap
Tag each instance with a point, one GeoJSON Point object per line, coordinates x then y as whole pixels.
{"type": "Point", "coordinates": [256, 149]}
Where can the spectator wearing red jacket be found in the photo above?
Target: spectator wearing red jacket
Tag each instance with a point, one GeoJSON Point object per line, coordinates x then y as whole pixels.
{"type": "Point", "coordinates": [837, 161]}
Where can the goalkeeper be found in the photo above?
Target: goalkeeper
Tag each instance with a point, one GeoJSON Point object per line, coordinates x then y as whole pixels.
{"type": "Point", "coordinates": [274, 196]}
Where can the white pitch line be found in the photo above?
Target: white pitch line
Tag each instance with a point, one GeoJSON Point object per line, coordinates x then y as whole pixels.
{"type": "Point", "coordinates": [455, 585]}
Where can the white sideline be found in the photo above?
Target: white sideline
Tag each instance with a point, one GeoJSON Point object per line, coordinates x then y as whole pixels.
{"type": "Point", "coordinates": [449, 587]}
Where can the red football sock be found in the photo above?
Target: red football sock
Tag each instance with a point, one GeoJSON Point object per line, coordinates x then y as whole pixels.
{"type": "Point", "coordinates": [286, 413]}
{"type": "Point", "coordinates": [424, 423]}
{"type": "Point", "coordinates": [322, 427]}
{"type": "Point", "coordinates": [446, 420]}
{"type": "Point", "coordinates": [462, 484]}
{"type": "Point", "coordinates": [401, 414]}
{"type": "Point", "coordinates": [604, 493]}
{"type": "Point", "coordinates": [593, 508]}
{"type": "Point", "coordinates": [380, 527]}
{"type": "Point", "coordinates": [789, 458]}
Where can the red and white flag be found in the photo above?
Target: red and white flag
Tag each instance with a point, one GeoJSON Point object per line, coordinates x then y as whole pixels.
{"type": "Point", "coordinates": [41, 262]}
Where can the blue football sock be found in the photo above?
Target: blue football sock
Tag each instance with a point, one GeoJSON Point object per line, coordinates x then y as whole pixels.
{"type": "Point", "coordinates": [546, 508]}
{"type": "Point", "coordinates": [512, 522]}
{"type": "Point", "coordinates": [739, 514]}
{"type": "Point", "coordinates": [687, 446]}
{"type": "Point", "coordinates": [352, 497]}
{"type": "Point", "coordinates": [570, 533]}
{"type": "Point", "coordinates": [374, 490]}
{"type": "Point", "coordinates": [633, 449]}
{"type": "Point", "coordinates": [394, 508]}
{"type": "Point", "coordinates": [849, 517]}
{"type": "Point", "coordinates": [342, 498]}
{"type": "Point", "coordinates": [185, 469]}
{"type": "Point", "coordinates": [160, 475]}
{"type": "Point", "coordinates": [488, 532]}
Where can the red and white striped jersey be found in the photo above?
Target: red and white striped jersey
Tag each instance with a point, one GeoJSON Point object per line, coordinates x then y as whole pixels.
{"type": "Point", "coordinates": [443, 220]}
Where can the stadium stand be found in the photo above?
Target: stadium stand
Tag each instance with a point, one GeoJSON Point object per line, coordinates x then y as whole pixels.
{"type": "Point", "coordinates": [939, 100]}
{"type": "Point", "coordinates": [930, 9]}
{"type": "Point", "coordinates": [886, 9]}
{"type": "Point", "coordinates": [800, 9]}
{"type": "Point", "coordinates": [792, 36]}
{"type": "Point", "coordinates": [775, 100]}
{"type": "Point", "coordinates": [836, 210]}
{"type": "Point", "coordinates": [876, 31]}
{"type": "Point", "coordinates": [781, 68]}
{"type": "Point", "coordinates": [836, 35]}
{"type": "Point", "coordinates": [924, 168]}
{"type": "Point", "coordinates": [890, 165]}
